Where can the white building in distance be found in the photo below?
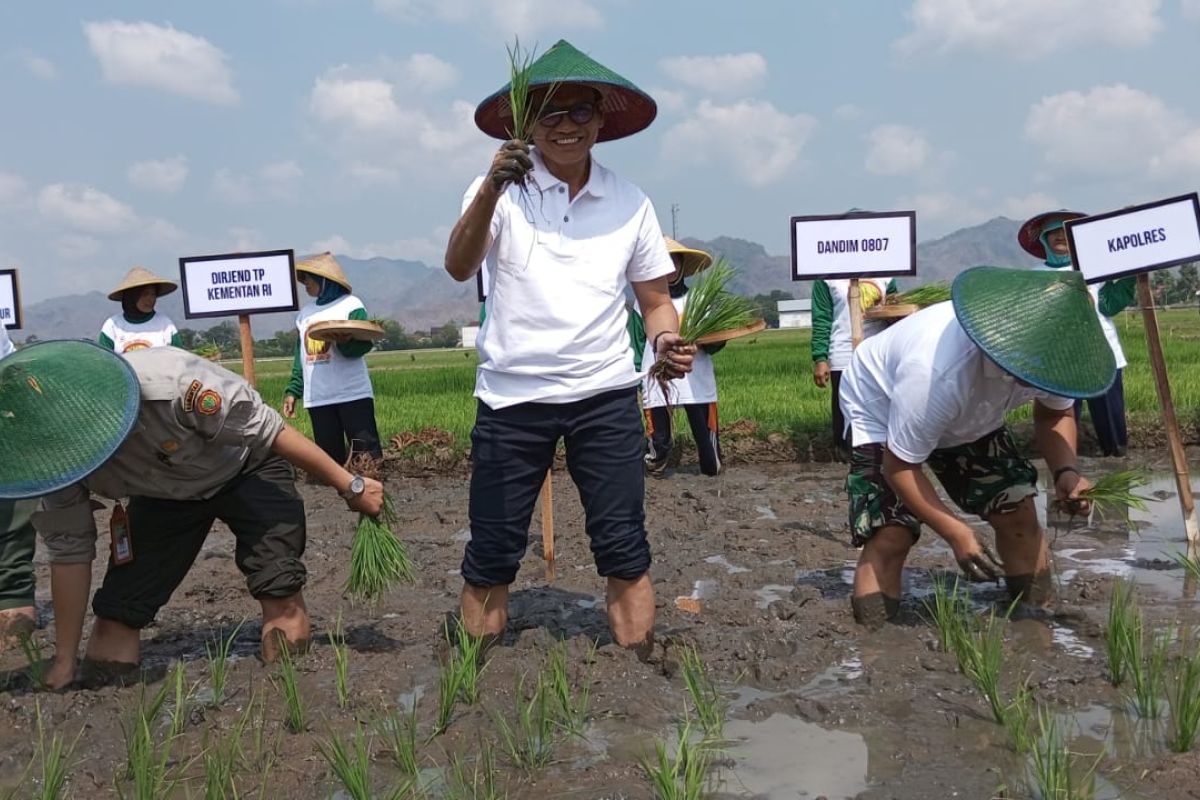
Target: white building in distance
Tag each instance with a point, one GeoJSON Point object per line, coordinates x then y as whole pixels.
{"type": "Point", "coordinates": [795, 313]}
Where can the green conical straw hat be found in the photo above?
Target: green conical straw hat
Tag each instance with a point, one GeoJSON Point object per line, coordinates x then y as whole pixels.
{"type": "Point", "coordinates": [65, 408]}
{"type": "Point", "coordinates": [627, 109]}
{"type": "Point", "coordinates": [1037, 325]}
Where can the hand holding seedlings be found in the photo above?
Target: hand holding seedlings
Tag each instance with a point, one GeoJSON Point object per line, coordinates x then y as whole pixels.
{"type": "Point", "coordinates": [370, 501]}
{"type": "Point", "coordinates": [674, 353]}
{"type": "Point", "coordinates": [510, 164]}
{"type": "Point", "coordinates": [1071, 492]}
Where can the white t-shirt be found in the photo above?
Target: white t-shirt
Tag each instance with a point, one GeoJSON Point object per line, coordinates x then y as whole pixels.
{"type": "Point", "coordinates": [1106, 324]}
{"type": "Point", "coordinates": [128, 336]}
{"type": "Point", "coordinates": [557, 271]}
{"type": "Point", "coordinates": [698, 386]}
{"type": "Point", "coordinates": [6, 345]}
{"type": "Point", "coordinates": [329, 376]}
{"type": "Point", "coordinates": [840, 340]}
{"type": "Point", "coordinates": [923, 384]}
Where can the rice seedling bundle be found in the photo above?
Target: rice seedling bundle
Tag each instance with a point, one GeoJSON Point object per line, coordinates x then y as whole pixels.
{"type": "Point", "coordinates": [1116, 493]}
{"type": "Point", "coordinates": [926, 295]}
{"type": "Point", "coordinates": [379, 561]}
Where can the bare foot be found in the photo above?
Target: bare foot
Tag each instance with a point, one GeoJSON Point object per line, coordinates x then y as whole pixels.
{"type": "Point", "coordinates": [61, 673]}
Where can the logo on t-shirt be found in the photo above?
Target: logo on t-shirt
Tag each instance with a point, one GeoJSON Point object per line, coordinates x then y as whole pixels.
{"type": "Point", "coordinates": [316, 350]}
{"type": "Point", "coordinates": [137, 344]}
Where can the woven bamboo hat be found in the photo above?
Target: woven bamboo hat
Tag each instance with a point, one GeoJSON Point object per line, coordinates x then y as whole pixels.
{"type": "Point", "coordinates": [688, 259]}
{"type": "Point", "coordinates": [1030, 235]}
{"type": "Point", "coordinates": [326, 266]}
{"type": "Point", "coordinates": [1037, 325]}
{"type": "Point", "coordinates": [65, 408]}
{"type": "Point", "coordinates": [139, 277]}
{"type": "Point", "coordinates": [627, 109]}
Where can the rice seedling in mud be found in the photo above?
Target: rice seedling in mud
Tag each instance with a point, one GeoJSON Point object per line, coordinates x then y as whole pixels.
{"type": "Point", "coordinates": [218, 652]}
{"type": "Point", "coordinates": [1122, 621]}
{"type": "Point", "coordinates": [708, 703]}
{"type": "Point", "coordinates": [467, 653]}
{"type": "Point", "coordinates": [449, 686]}
{"type": "Point", "coordinates": [350, 763]}
{"type": "Point", "coordinates": [288, 681]}
{"type": "Point", "coordinates": [480, 782]}
{"type": "Point", "coordinates": [529, 741]}
{"type": "Point", "coordinates": [684, 775]}
{"type": "Point", "coordinates": [1190, 564]}
{"type": "Point", "coordinates": [399, 733]}
{"type": "Point", "coordinates": [1183, 695]}
{"type": "Point", "coordinates": [341, 663]}
{"type": "Point", "coordinates": [1056, 772]}
{"type": "Point", "coordinates": [378, 559]}
{"type": "Point", "coordinates": [181, 698]}
{"type": "Point", "coordinates": [35, 659]}
{"type": "Point", "coordinates": [1020, 715]}
{"type": "Point", "coordinates": [54, 759]}
{"type": "Point", "coordinates": [223, 753]}
{"type": "Point", "coordinates": [572, 703]}
{"type": "Point", "coordinates": [1147, 665]}
{"type": "Point", "coordinates": [147, 768]}
{"type": "Point", "coordinates": [926, 295]}
{"type": "Point", "coordinates": [982, 659]}
{"type": "Point", "coordinates": [950, 610]}
{"type": "Point", "coordinates": [710, 308]}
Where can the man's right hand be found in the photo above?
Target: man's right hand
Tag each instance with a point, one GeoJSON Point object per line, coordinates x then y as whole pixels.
{"type": "Point", "coordinates": [821, 373]}
{"type": "Point", "coordinates": [511, 164]}
{"type": "Point", "coordinates": [975, 559]}
{"type": "Point", "coordinates": [370, 502]}
{"type": "Point", "coordinates": [289, 406]}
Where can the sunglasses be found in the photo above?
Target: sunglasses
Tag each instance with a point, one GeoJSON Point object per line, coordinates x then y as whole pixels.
{"type": "Point", "coordinates": [580, 113]}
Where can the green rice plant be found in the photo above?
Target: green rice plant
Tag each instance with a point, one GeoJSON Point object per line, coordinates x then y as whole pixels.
{"type": "Point", "coordinates": [950, 610]}
{"type": "Point", "coordinates": [341, 663]}
{"type": "Point", "coordinates": [1116, 494]}
{"type": "Point", "coordinates": [708, 703]}
{"type": "Point", "coordinates": [468, 657]}
{"type": "Point", "coordinates": [684, 775]}
{"type": "Point", "coordinates": [1183, 696]}
{"type": "Point", "coordinates": [481, 782]}
{"type": "Point", "coordinates": [1056, 770]}
{"type": "Point", "coordinates": [449, 687]}
{"type": "Point", "coordinates": [218, 652]}
{"type": "Point", "coordinates": [399, 733]}
{"type": "Point", "coordinates": [1019, 718]}
{"type": "Point", "coordinates": [54, 757]}
{"type": "Point", "coordinates": [182, 694]}
{"type": "Point", "coordinates": [926, 295]}
{"type": "Point", "coordinates": [524, 115]}
{"type": "Point", "coordinates": [530, 740]}
{"type": "Point", "coordinates": [287, 680]}
{"type": "Point", "coordinates": [710, 306]}
{"type": "Point", "coordinates": [263, 748]}
{"type": "Point", "coordinates": [222, 753]}
{"type": "Point", "coordinates": [981, 659]}
{"type": "Point", "coordinates": [571, 703]}
{"type": "Point", "coordinates": [148, 762]}
{"type": "Point", "coordinates": [350, 763]}
{"type": "Point", "coordinates": [1190, 564]}
{"type": "Point", "coordinates": [1122, 618]}
{"type": "Point", "coordinates": [139, 720]}
{"type": "Point", "coordinates": [1147, 669]}
{"type": "Point", "coordinates": [34, 658]}
{"type": "Point", "coordinates": [378, 559]}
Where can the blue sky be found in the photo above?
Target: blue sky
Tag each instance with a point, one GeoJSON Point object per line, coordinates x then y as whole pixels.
{"type": "Point", "coordinates": [137, 132]}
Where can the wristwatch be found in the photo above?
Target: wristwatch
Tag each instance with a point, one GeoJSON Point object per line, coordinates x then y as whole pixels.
{"type": "Point", "coordinates": [357, 487]}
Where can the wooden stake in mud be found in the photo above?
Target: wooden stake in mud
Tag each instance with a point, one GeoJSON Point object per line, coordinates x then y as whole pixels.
{"type": "Point", "coordinates": [856, 315]}
{"type": "Point", "coordinates": [247, 349]}
{"type": "Point", "coordinates": [547, 502]}
{"type": "Point", "coordinates": [1174, 440]}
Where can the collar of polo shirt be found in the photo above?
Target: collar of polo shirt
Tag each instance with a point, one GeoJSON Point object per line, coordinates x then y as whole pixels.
{"type": "Point", "coordinates": [546, 179]}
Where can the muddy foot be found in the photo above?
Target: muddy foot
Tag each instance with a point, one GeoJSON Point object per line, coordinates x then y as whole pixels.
{"type": "Point", "coordinates": [874, 610]}
{"type": "Point", "coordinates": [95, 674]}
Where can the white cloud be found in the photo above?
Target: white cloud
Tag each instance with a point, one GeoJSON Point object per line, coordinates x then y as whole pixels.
{"type": "Point", "coordinates": [85, 208]}
{"type": "Point", "coordinates": [939, 210]}
{"type": "Point", "coordinates": [1023, 208]}
{"type": "Point", "coordinates": [1191, 9]}
{"type": "Point", "coordinates": [1113, 130]}
{"type": "Point", "coordinates": [428, 72]}
{"type": "Point", "coordinates": [1028, 29]}
{"type": "Point", "coordinates": [503, 17]}
{"type": "Point", "coordinates": [165, 176]}
{"type": "Point", "coordinates": [145, 54]}
{"type": "Point", "coordinates": [245, 240]}
{"type": "Point", "coordinates": [896, 150]}
{"type": "Point", "coordinates": [724, 74]}
{"type": "Point", "coordinates": [37, 66]}
{"type": "Point", "coordinates": [278, 181]}
{"type": "Point", "coordinates": [430, 249]}
{"type": "Point", "coordinates": [758, 141]}
{"type": "Point", "coordinates": [14, 191]}
{"type": "Point", "coordinates": [668, 99]}
{"type": "Point", "coordinates": [77, 247]}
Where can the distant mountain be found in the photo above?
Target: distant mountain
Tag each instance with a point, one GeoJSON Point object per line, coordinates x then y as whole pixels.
{"type": "Point", "coordinates": [419, 296]}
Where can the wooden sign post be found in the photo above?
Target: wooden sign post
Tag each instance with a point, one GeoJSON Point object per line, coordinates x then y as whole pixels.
{"type": "Point", "coordinates": [547, 505]}
{"type": "Point", "coordinates": [1136, 241]}
{"type": "Point", "coordinates": [239, 284]}
{"type": "Point", "coordinates": [10, 300]}
{"type": "Point", "coordinates": [854, 299]}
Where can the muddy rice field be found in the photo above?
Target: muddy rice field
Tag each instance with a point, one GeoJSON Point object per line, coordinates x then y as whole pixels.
{"type": "Point", "coordinates": [752, 568]}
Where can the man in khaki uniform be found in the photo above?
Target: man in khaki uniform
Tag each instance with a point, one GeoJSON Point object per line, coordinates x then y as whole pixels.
{"type": "Point", "coordinates": [202, 446]}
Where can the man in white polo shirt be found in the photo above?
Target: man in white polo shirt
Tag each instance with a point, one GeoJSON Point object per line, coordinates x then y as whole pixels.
{"type": "Point", "coordinates": [934, 389]}
{"type": "Point", "coordinates": [563, 238]}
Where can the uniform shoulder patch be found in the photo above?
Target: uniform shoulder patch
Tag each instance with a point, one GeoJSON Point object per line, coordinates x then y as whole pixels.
{"type": "Point", "coordinates": [189, 397]}
{"type": "Point", "coordinates": [208, 403]}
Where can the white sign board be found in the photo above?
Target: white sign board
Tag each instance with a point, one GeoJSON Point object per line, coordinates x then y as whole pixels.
{"type": "Point", "coordinates": [1136, 239]}
{"type": "Point", "coordinates": [854, 245]}
{"type": "Point", "coordinates": [238, 283]}
{"type": "Point", "coordinates": [10, 299]}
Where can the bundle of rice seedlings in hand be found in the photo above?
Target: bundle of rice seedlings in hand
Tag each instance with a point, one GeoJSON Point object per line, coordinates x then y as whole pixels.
{"type": "Point", "coordinates": [709, 308]}
{"type": "Point", "coordinates": [1115, 493]}
{"type": "Point", "coordinates": [926, 295]}
{"type": "Point", "coordinates": [379, 561]}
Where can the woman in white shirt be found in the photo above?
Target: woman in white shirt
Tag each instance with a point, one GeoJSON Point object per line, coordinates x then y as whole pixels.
{"type": "Point", "coordinates": [139, 326]}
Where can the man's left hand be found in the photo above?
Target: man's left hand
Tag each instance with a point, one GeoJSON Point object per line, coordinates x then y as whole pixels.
{"type": "Point", "coordinates": [1068, 491]}
{"type": "Point", "coordinates": [675, 354]}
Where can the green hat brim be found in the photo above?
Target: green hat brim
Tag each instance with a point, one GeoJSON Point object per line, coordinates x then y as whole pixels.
{"type": "Point", "coordinates": [626, 108]}
{"type": "Point", "coordinates": [65, 409]}
{"type": "Point", "coordinates": [1037, 325]}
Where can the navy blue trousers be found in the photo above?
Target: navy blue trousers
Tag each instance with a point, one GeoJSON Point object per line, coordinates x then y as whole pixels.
{"type": "Point", "coordinates": [1108, 417]}
{"type": "Point", "coordinates": [513, 448]}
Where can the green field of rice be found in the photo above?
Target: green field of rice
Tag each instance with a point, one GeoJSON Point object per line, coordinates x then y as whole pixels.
{"type": "Point", "coordinates": [765, 378]}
